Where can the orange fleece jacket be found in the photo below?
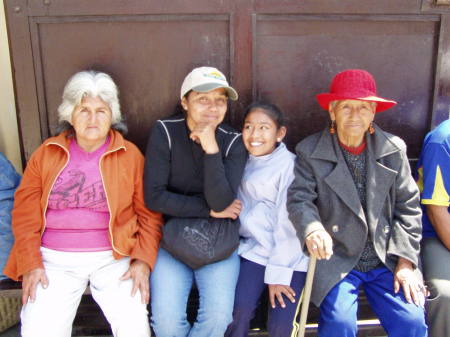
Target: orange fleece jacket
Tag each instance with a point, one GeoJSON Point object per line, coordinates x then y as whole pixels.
{"type": "Point", "coordinates": [134, 230]}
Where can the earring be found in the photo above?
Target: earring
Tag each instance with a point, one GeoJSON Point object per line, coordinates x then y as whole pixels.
{"type": "Point", "coordinates": [278, 140]}
{"type": "Point", "coordinates": [371, 129]}
{"type": "Point", "coordinates": [332, 129]}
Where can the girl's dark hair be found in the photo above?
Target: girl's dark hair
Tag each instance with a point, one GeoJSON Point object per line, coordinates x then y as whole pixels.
{"type": "Point", "coordinates": [270, 110]}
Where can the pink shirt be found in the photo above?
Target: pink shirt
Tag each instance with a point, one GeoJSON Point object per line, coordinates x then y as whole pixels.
{"type": "Point", "coordinates": [77, 217]}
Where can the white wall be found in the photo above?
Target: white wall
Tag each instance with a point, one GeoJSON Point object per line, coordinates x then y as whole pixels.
{"type": "Point", "coordinates": [9, 134]}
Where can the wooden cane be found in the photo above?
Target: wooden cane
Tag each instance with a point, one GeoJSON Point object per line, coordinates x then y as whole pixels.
{"type": "Point", "coordinates": [306, 296]}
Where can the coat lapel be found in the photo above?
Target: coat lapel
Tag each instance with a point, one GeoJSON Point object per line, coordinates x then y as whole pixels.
{"type": "Point", "coordinates": [379, 177]}
{"type": "Point", "coordinates": [339, 179]}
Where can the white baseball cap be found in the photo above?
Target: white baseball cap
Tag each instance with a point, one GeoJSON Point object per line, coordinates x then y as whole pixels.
{"type": "Point", "coordinates": [204, 79]}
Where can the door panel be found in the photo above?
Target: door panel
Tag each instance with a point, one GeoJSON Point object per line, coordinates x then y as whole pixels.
{"type": "Point", "coordinates": [282, 51]}
{"type": "Point", "coordinates": [148, 57]}
{"type": "Point", "coordinates": [297, 56]}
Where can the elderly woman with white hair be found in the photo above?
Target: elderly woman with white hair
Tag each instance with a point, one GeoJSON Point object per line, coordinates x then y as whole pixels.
{"type": "Point", "coordinates": [79, 217]}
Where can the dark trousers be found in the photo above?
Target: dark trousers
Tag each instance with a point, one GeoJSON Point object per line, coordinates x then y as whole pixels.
{"type": "Point", "coordinates": [249, 288]}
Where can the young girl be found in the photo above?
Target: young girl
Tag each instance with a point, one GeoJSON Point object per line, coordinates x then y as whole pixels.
{"type": "Point", "coordinates": [270, 250]}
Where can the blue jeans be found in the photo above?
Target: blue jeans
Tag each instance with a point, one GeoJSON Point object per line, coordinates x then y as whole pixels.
{"type": "Point", "coordinates": [398, 317]}
{"type": "Point", "coordinates": [171, 283]}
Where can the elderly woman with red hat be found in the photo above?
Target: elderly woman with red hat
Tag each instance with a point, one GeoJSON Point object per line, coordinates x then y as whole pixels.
{"type": "Point", "coordinates": [356, 208]}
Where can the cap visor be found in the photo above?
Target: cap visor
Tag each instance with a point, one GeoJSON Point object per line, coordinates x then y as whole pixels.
{"type": "Point", "coordinates": [232, 94]}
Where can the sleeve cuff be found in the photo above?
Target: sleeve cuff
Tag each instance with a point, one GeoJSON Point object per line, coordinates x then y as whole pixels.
{"type": "Point", "coordinates": [278, 275]}
{"type": "Point", "coordinates": [312, 227]}
{"type": "Point", "coordinates": [413, 259]}
{"type": "Point", "coordinates": [435, 202]}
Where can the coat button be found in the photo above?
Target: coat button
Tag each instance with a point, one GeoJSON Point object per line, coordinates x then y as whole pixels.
{"type": "Point", "coordinates": [335, 228]}
{"type": "Point", "coordinates": [386, 229]}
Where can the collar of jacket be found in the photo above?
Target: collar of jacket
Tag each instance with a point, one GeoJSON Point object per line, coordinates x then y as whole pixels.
{"type": "Point", "coordinates": [379, 177]}
{"type": "Point", "coordinates": [117, 142]}
{"type": "Point", "coordinates": [378, 144]}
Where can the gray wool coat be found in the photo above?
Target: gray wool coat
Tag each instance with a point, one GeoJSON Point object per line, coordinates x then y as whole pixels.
{"type": "Point", "coordinates": [323, 196]}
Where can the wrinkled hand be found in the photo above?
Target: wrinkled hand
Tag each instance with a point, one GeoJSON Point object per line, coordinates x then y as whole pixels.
{"type": "Point", "coordinates": [231, 211]}
{"type": "Point", "coordinates": [139, 273]}
{"type": "Point", "coordinates": [277, 291]}
{"type": "Point", "coordinates": [413, 288]}
{"type": "Point", "coordinates": [205, 134]}
{"type": "Point", "coordinates": [30, 281]}
{"type": "Point", "coordinates": [320, 244]}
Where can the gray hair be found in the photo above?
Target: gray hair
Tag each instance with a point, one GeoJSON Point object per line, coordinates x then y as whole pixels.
{"type": "Point", "coordinates": [90, 84]}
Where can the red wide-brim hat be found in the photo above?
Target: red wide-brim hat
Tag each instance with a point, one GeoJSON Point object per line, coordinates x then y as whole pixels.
{"type": "Point", "coordinates": [354, 84]}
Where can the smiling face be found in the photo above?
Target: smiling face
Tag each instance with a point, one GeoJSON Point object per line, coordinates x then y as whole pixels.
{"type": "Point", "coordinates": [352, 119]}
{"type": "Point", "coordinates": [260, 133]}
{"type": "Point", "coordinates": [205, 107]}
{"type": "Point", "coordinates": [91, 120]}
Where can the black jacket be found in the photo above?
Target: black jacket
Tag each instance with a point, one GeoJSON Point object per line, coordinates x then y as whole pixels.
{"type": "Point", "coordinates": [181, 180]}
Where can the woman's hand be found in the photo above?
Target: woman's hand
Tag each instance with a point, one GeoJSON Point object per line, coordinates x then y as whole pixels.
{"type": "Point", "coordinates": [320, 244]}
{"type": "Point", "coordinates": [205, 134]}
{"type": "Point", "coordinates": [30, 281]}
{"type": "Point", "coordinates": [231, 211]}
{"type": "Point", "coordinates": [139, 273]}
{"type": "Point", "coordinates": [404, 277]}
{"type": "Point", "coordinates": [277, 291]}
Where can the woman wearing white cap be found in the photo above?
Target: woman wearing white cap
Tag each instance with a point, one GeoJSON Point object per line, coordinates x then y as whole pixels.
{"type": "Point", "coordinates": [194, 165]}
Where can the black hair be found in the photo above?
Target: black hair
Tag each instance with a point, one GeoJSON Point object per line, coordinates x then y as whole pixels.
{"type": "Point", "coordinates": [271, 110]}
{"type": "Point", "coordinates": [186, 95]}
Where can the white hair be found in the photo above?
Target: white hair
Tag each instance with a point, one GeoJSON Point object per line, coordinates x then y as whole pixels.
{"type": "Point", "coordinates": [90, 84]}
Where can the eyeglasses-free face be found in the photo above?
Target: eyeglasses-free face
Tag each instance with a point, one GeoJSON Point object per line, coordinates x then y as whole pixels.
{"type": "Point", "coordinates": [205, 107]}
{"type": "Point", "coordinates": [91, 120]}
{"type": "Point", "coordinates": [352, 118]}
{"type": "Point", "coordinates": [260, 133]}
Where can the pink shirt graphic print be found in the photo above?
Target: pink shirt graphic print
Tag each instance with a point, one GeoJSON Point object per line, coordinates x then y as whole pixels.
{"type": "Point", "coordinates": [71, 191]}
{"type": "Point", "coordinates": [77, 217]}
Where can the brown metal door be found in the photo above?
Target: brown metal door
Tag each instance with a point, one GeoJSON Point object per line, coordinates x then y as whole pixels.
{"type": "Point", "coordinates": [282, 51]}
